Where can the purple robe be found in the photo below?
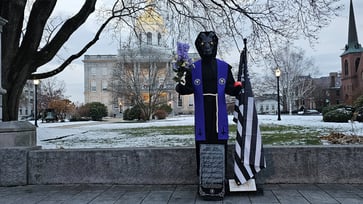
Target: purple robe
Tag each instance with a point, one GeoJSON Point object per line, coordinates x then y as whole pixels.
{"type": "Point", "coordinates": [222, 117]}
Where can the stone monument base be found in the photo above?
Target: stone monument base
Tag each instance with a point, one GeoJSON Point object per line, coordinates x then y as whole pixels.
{"type": "Point", "coordinates": [17, 134]}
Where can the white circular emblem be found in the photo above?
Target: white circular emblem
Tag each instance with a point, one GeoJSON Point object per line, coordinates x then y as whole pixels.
{"type": "Point", "coordinates": [197, 82]}
{"type": "Point", "coordinates": [222, 81]}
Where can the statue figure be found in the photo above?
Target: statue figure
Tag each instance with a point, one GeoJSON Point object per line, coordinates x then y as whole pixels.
{"type": "Point", "coordinates": [209, 79]}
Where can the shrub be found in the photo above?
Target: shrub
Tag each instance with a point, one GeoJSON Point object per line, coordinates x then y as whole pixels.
{"type": "Point", "coordinates": [125, 115]}
{"type": "Point", "coordinates": [132, 113]}
{"type": "Point", "coordinates": [76, 117]}
{"type": "Point", "coordinates": [97, 110]}
{"type": "Point", "coordinates": [331, 108]}
{"type": "Point", "coordinates": [358, 103]}
{"type": "Point", "coordinates": [160, 114]}
{"type": "Point", "coordinates": [338, 115]}
{"type": "Point", "coordinates": [165, 107]}
{"type": "Point", "coordinates": [94, 111]}
{"type": "Point", "coordinates": [81, 113]}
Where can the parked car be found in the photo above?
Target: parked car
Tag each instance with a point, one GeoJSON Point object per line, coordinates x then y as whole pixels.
{"type": "Point", "coordinates": [50, 116]}
{"type": "Point", "coordinates": [308, 112]}
{"type": "Point", "coordinates": [27, 118]}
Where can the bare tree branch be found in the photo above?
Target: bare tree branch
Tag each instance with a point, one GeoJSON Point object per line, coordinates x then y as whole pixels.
{"type": "Point", "coordinates": [125, 11]}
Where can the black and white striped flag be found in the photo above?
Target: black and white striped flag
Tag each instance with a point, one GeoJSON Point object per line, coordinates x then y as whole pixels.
{"type": "Point", "coordinates": [249, 156]}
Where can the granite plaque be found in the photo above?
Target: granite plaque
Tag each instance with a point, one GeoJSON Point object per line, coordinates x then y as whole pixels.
{"type": "Point", "coordinates": [212, 170]}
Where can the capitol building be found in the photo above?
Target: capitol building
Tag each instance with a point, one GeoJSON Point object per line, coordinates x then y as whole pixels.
{"type": "Point", "coordinates": [142, 72]}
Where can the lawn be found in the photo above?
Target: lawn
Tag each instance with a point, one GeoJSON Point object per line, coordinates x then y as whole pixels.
{"type": "Point", "coordinates": [179, 132]}
{"type": "Point", "coordinates": [271, 134]}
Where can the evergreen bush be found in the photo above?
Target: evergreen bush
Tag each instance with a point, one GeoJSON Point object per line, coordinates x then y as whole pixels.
{"type": "Point", "coordinates": [358, 106]}
{"type": "Point", "coordinates": [358, 103]}
{"type": "Point", "coordinates": [126, 114]}
{"type": "Point", "coordinates": [331, 108]}
{"type": "Point", "coordinates": [340, 115]}
{"type": "Point", "coordinates": [97, 110]}
{"type": "Point", "coordinates": [132, 113]}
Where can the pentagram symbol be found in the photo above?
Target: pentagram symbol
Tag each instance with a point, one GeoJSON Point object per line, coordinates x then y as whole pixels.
{"type": "Point", "coordinates": [197, 82]}
{"type": "Point", "coordinates": [222, 81]}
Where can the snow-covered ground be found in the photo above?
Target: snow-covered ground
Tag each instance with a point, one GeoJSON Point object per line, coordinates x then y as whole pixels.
{"type": "Point", "coordinates": [108, 134]}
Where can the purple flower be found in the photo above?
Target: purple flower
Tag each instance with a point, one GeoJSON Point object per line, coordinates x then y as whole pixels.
{"type": "Point", "coordinates": [182, 61]}
{"type": "Point", "coordinates": [182, 51]}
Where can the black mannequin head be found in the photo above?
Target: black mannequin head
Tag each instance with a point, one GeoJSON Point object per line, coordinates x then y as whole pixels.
{"type": "Point", "coordinates": [206, 44]}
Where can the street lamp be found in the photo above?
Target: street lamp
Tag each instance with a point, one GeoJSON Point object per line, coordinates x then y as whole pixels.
{"type": "Point", "coordinates": [278, 74]}
{"type": "Point", "coordinates": [36, 83]}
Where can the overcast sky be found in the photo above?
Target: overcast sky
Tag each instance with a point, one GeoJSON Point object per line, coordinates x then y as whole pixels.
{"type": "Point", "coordinates": [326, 53]}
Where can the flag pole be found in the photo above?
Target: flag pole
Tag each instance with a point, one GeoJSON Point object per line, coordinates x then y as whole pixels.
{"type": "Point", "coordinates": [248, 154]}
{"type": "Point", "coordinates": [245, 72]}
{"type": "Point", "coordinates": [242, 60]}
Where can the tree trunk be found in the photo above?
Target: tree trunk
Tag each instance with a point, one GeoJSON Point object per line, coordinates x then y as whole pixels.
{"type": "Point", "coordinates": [11, 101]}
{"type": "Point", "coordinates": [21, 52]}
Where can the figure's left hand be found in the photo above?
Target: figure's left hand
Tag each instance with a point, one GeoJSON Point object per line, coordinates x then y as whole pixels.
{"type": "Point", "coordinates": [237, 86]}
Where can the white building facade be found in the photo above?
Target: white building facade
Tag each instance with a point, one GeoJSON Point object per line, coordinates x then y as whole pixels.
{"type": "Point", "coordinates": [267, 104]}
{"type": "Point", "coordinates": [148, 55]}
{"type": "Point", "coordinates": [98, 71]}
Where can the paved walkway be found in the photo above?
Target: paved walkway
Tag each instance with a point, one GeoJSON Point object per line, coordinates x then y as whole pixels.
{"type": "Point", "coordinates": [177, 194]}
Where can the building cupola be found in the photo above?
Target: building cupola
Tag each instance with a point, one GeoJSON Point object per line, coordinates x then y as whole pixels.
{"type": "Point", "coordinates": [353, 45]}
{"type": "Point", "coordinates": [150, 26]}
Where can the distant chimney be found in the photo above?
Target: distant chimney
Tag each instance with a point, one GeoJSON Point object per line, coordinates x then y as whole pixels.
{"type": "Point", "coordinates": [333, 76]}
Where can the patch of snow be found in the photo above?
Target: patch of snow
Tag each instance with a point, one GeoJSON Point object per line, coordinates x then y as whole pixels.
{"type": "Point", "coordinates": [91, 134]}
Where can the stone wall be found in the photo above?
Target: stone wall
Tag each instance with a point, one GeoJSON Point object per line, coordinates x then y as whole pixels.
{"type": "Point", "coordinates": [14, 166]}
{"type": "Point", "coordinates": [313, 164]}
{"type": "Point", "coordinates": [122, 166]}
{"type": "Point", "coordinates": [285, 164]}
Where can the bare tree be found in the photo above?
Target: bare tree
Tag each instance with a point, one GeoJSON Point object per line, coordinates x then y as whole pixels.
{"type": "Point", "coordinates": [303, 92]}
{"type": "Point", "coordinates": [296, 83]}
{"type": "Point", "coordinates": [23, 50]}
{"type": "Point", "coordinates": [50, 89]}
{"type": "Point", "coordinates": [62, 108]}
{"type": "Point", "coordinates": [142, 78]}
{"type": "Point", "coordinates": [266, 23]}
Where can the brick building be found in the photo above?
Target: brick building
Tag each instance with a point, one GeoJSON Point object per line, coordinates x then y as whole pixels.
{"type": "Point", "coordinates": [351, 65]}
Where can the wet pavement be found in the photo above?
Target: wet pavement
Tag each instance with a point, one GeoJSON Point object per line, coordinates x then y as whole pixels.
{"type": "Point", "coordinates": [178, 194]}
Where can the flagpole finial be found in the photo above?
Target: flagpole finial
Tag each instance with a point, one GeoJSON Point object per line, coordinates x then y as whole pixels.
{"type": "Point", "coordinates": [245, 41]}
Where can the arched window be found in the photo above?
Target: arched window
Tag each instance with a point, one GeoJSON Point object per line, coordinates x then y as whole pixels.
{"type": "Point", "coordinates": [357, 61]}
{"type": "Point", "coordinates": [346, 68]}
{"type": "Point", "coordinates": [148, 38]}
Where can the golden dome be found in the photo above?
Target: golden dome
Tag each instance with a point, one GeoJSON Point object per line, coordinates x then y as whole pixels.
{"type": "Point", "coordinates": [150, 20]}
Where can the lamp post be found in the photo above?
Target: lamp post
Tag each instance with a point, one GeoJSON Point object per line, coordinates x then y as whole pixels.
{"type": "Point", "coordinates": [278, 74]}
{"type": "Point", "coordinates": [36, 83]}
